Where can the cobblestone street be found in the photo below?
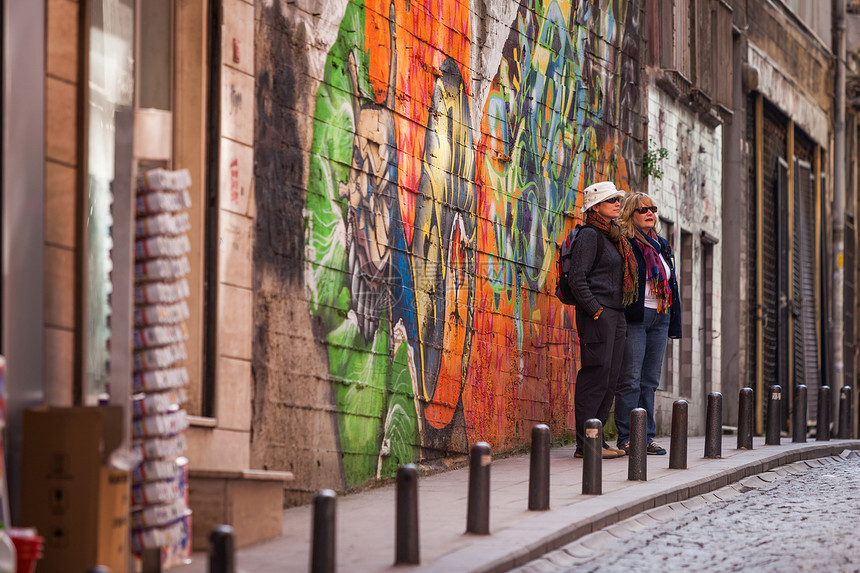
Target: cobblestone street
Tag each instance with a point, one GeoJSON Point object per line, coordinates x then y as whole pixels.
{"type": "Point", "coordinates": [795, 518]}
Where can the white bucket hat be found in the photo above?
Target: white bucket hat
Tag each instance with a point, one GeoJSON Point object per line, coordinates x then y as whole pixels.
{"type": "Point", "coordinates": [598, 192]}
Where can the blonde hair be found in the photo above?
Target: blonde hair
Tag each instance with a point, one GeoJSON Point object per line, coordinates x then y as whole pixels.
{"type": "Point", "coordinates": [632, 202]}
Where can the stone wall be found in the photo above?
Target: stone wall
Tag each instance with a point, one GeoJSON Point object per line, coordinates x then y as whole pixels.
{"type": "Point", "coordinates": [689, 195]}
{"type": "Point", "coordinates": [416, 164]}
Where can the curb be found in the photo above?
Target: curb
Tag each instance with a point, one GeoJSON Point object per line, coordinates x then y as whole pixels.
{"type": "Point", "coordinates": [548, 531]}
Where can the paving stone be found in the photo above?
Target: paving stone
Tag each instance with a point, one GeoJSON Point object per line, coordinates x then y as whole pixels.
{"type": "Point", "coordinates": [598, 540]}
{"type": "Point", "coordinates": [646, 519]}
{"type": "Point", "coordinates": [634, 525]}
{"type": "Point", "coordinates": [662, 513]}
{"type": "Point", "coordinates": [578, 551]}
{"type": "Point", "coordinates": [726, 493]}
{"type": "Point", "coordinates": [543, 566]}
{"type": "Point", "coordinates": [561, 558]}
{"type": "Point", "coordinates": [693, 502]}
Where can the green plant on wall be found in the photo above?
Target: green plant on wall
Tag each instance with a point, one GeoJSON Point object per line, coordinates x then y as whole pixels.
{"type": "Point", "coordinates": [652, 158]}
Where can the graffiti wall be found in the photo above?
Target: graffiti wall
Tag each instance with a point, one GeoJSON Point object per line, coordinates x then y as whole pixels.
{"type": "Point", "coordinates": [444, 167]}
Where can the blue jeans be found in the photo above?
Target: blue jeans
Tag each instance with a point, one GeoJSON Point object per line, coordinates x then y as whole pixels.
{"type": "Point", "coordinates": [640, 372]}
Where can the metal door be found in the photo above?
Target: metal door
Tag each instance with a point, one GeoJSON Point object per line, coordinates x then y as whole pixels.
{"type": "Point", "coordinates": [805, 343]}
{"type": "Point", "coordinates": [783, 309]}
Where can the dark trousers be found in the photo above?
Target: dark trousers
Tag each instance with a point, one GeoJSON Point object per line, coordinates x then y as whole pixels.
{"type": "Point", "coordinates": [601, 351]}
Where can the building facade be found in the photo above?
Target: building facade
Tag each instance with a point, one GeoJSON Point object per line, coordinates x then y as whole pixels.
{"type": "Point", "coordinates": [778, 191]}
{"type": "Point", "coordinates": [379, 189]}
{"type": "Point", "coordinates": [687, 105]}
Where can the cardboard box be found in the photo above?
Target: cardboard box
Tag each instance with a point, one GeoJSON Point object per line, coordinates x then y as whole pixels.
{"type": "Point", "coordinates": [77, 503]}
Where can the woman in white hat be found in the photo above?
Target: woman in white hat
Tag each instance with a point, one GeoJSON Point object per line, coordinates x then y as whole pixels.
{"type": "Point", "coordinates": [603, 279]}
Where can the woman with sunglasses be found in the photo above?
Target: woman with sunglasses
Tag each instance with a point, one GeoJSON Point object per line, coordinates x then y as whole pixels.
{"type": "Point", "coordinates": [651, 320]}
{"type": "Point", "coordinates": [603, 281]}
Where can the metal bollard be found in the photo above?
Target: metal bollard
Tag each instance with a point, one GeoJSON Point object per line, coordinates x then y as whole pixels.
{"type": "Point", "coordinates": [822, 426]}
{"type": "Point", "coordinates": [745, 419]}
{"type": "Point", "coordinates": [845, 413]}
{"type": "Point", "coordinates": [478, 508]}
{"type": "Point", "coordinates": [539, 469]}
{"type": "Point", "coordinates": [798, 433]}
{"type": "Point", "coordinates": [714, 426]}
{"type": "Point", "coordinates": [222, 550]}
{"type": "Point", "coordinates": [323, 541]}
{"type": "Point", "coordinates": [592, 470]}
{"type": "Point", "coordinates": [637, 464]}
{"type": "Point", "coordinates": [774, 416]}
{"type": "Point", "coordinates": [406, 520]}
{"type": "Point", "coordinates": [678, 443]}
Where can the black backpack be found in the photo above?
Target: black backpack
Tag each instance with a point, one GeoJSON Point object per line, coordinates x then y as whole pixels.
{"type": "Point", "coordinates": [562, 287]}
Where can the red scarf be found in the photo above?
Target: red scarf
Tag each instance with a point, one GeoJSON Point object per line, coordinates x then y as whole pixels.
{"type": "Point", "coordinates": [655, 272]}
{"type": "Point", "coordinates": [630, 281]}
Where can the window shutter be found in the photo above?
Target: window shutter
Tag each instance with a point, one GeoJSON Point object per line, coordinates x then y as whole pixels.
{"type": "Point", "coordinates": [666, 27]}
{"type": "Point", "coordinates": [724, 71]}
{"type": "Point", "coordinates": [682, 47]}
{"type": "Point", "coordinates": [703, 49]}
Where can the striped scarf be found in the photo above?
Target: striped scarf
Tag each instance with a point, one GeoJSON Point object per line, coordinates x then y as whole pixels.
{"type": "Point", "coordinates": [655, 271]}
{"type": "Point", "coordinates": [630, 281]}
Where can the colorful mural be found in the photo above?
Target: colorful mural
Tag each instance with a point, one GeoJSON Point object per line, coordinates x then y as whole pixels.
{"type": "Point", "coordinates": [430, 241]}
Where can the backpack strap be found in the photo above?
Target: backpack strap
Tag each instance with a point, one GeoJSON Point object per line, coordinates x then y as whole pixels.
{"type": "Point", "coordinates": [600, 248]}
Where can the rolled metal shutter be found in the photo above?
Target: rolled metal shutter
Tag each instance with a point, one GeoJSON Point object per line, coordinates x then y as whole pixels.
{"type": "Point", "coordinates": [805, 335]}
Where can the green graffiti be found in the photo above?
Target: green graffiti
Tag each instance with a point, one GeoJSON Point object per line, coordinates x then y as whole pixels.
{"type": "Point", "coordinates": [350, 273]}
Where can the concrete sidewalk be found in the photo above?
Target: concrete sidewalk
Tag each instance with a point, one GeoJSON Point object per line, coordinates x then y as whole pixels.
{"type": "Point", "coordinates": [365, 521]}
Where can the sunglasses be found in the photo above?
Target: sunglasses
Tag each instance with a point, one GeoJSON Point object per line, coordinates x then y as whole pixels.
{"type": "Point", "coordinates": [643, 210]}
{"type": "Point", "coordinates": [613, 200]}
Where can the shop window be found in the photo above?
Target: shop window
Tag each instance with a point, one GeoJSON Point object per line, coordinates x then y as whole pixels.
{"type": "Point", "coordinates": [110, 86]}
{"type": "Point", "coordinates": [174, 72]}
{"type": "Point", "coordinates": [170, 72]}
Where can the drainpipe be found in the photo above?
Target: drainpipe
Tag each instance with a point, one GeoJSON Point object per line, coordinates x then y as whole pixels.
{"type": "Point", "coordinates": [836, 325]}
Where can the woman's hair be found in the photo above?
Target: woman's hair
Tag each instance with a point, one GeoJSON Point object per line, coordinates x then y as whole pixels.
{"type": "Point", "coordinates": [632, 202]}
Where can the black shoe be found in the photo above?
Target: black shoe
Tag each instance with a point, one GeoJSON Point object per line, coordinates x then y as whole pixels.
{"type": "Point", "coordinates": [625, 447]}
{"type": "Point", "coordinates": [655, 449]}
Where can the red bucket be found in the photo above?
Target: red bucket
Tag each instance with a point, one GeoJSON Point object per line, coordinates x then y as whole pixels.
{"type": "Point", "coordinates": [28, 548]}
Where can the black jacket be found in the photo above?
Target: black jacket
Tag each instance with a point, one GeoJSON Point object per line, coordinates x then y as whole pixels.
{"type": "Point", "coordinates": [594, 280]}
{"type": "Point", "coordinates": [636, 312]}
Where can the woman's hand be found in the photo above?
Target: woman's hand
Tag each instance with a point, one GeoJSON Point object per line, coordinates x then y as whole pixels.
{"type": "Point", "coordinates": [598, 313]}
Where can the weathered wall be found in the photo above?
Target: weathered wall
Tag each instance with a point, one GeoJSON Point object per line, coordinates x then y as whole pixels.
{"type": "Point", "coordinates": [416, 164]}
{"type": "Point", "coordinates": [294, 423]}
{"type": "Point", "coordinates": [690, 196]}
{"type": "Point", "coordinates": [737, 270]}
{"type": "Point", "coordinates": [793, 52]}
